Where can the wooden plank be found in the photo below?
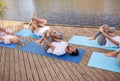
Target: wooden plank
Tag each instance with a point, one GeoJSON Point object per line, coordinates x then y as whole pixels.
{"type": "Point", "coordinates": [33, 67]}
{"type": "Point", "coordinates": [49, 67]}
{"type": "Point", "coordinates": [65, 74]}
{"type": "Point", "coordinates": [12, 65]}
{"type": "Point", "coordinates": [17, 67]}
{"type": "Point", "coordinates": [68, 70]}
{"type": "Point", "coordinates": [2, 64]}
{"type": "Point", "coordinates": [45, 70]}
{"type": "Point", "coordinates": [7, 71]}
{"type": "Point", "coordinates": [56, 69]}
{"type": "Point", "coordinates": [28, 68]}
{"type": "Point", "coordinates": [39, 68]}
{"type": "Point", "coordinates": [74, 71]}
{"type": "Point", "coordinates": [22, 67]}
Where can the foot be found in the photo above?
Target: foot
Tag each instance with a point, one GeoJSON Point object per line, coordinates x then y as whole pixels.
{"type": "Point", "coordinates": [32, 15]}
{"type": "Point", "coordinates": [38, 41]}
{"type": "Point", "coordinates": [26, 26]}
{"type": "Point", "coordinates": [91, 38]}
{"type": "Point", "coordinates": [110, 55]}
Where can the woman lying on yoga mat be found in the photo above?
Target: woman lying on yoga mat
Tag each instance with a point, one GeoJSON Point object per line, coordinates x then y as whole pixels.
{"type": "Point", "coordinates": [6, 36]}
{"type": "Point", "coordinates": [115, 54]}
{"type": "Point", "coordinates": [5, 30]}
{"type": "Point", "coordinates": [38, 25]}
{"type": "Point", "coordinates": [55, 45]}
{"type": "Point", "coordinates": [105, 37]}
{"type": "Point", "coordinates": [8, 39]}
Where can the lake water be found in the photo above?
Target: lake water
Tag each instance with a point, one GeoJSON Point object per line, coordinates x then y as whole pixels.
{"type": "Point", "coordinates": [72, 12]}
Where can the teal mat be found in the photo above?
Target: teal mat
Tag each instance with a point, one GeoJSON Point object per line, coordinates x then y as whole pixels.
{"type": "Point", "coordinates": [99, 60]}
{"type": "Point", "coordinates": [83, 40]}
{"type": "Point", "coordinates": [27, 33]}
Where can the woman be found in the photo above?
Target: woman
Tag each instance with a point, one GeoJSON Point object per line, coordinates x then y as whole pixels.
{"type": "Point", "coordinates": [7, 38]}
{"type": "Point", "coordinates": [104, 35]}
{"type": "Point", "coordinates": [37, 25]}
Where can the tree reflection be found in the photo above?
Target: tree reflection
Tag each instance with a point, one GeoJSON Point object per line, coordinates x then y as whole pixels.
{"type": "Point", "coordinates": [2, 7]}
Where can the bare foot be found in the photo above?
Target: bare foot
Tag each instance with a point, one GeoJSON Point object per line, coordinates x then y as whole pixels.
{"type": "Point", "coordinates": [26, 26]}
{"type": "Point", "coordinates": [32, 15]}
{"type": "Point", "coordinates": [91, 38]}
{"type": "Point", "coordinates": [38, 41]}
{"type": "Point", "coordinates": [110, 55]}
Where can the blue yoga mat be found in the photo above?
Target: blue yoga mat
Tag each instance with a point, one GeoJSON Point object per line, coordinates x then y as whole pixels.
{"type": "Point", "coordinates": [28, 33]}
{"type": "Point", "coordinates": [83, 40]}
{"type": "Point", "coordinates": [34, 48]}
{"type": "Point", "coordinates": [99, 60]}
{"type": "Point", "coordinates": [11, 45]}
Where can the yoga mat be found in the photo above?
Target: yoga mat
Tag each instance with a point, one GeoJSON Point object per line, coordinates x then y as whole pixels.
{"type": "Point", "coordinates": [99, 60]}
{"type": "Point", "coordinates": [11, 45]}
{"type": "Point", "coordinates": [27, 33]}
{"type": "Point", "coordinates": [34, 48]}
{"type": "Point", "coordinates": [83, 40]}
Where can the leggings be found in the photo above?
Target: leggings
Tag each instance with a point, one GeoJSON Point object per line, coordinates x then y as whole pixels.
{"type": "Point", "coordinates": [101, 39]}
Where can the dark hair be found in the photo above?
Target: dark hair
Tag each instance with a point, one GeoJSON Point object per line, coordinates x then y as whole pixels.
{"type": "Point", "coordinates": [76, 53]}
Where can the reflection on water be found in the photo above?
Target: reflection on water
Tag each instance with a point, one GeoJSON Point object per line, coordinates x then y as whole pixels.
{"type": "Point", "coordinates": [73, 12]}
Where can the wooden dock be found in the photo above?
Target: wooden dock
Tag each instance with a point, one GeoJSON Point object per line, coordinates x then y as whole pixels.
{"type": "Point", "coordinates": [16, 65]}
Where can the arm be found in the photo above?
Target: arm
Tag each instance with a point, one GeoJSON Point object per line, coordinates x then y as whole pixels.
{"type": "Point", "coordinates": [1, 39]}
{"type": "Point", "coordinates": [49, 44]}
{"type": "Point", "coordinates": [2, 29]}
{"type": "Point", "coordinates": [39, 40]}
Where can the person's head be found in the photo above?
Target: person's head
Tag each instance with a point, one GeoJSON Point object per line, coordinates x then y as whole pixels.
{"type": "Point", "coordinates": [106, 28]}
{"type": "Point", "coordinates": [57, 35]}
{"type": "Point", "coordinates": [72, 50]}
{"type": "Point", "coordinates": [112, 29]}
{"type": "Point", "coordinates": [15, 40]}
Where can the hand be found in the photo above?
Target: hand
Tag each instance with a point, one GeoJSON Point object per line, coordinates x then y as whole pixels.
{"type": "Point", "coordinates": [44, 35]}
{"type": "Point", "coordinates": [101, 29]}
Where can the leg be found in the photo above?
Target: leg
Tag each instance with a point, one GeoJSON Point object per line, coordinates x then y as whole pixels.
{"type": "Point", "coordinates": [97, 33]}
{"type": "Point", "coordinates": [32, 20]}
{"type": "Point", "coordinates": [44, 45]}
{"type": "Point", "coordinates": [113, 54]}
{"type": "Point", "coordinates": [118, 58]}
{"type": "Point", "coordinates": [41, 21]}
{"type": "Point", "coordinates": [101, 39]}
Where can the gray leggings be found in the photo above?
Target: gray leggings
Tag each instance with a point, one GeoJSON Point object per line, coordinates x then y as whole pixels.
{"type": "Point", "coordinates": [44, 45]}
{"type": "Point", "coordinates": [101, 39]}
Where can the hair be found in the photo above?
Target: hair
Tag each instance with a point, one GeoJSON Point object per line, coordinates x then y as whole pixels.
{"type": "Point", "coordinates": [76, 53]}
{"type": "Point", "coordinates": [18, 41]}
{"type": "Point", "coordinates": [112, 29]}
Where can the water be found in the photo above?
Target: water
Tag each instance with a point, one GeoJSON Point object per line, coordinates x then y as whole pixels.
{"type": "Point", "coordinates": [72, 12]}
